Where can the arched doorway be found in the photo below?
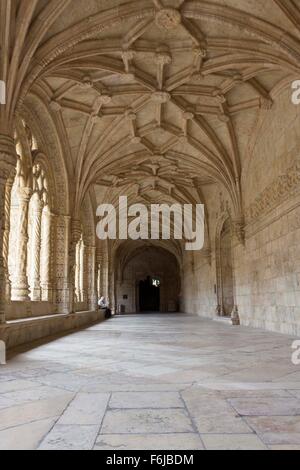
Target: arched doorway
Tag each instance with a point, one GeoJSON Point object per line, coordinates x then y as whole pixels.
{"type": "Point", "coordinates": [149, 295]}
{"type": "Point", "coordinates": [147, 279]}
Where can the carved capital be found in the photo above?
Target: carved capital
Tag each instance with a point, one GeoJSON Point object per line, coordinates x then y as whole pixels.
{"type": "Point", "coordinates": [238, 228]}
{"type": "Point", "coordinates": [76, 230]}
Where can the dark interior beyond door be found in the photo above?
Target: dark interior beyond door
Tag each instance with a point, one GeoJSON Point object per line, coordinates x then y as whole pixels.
{"type": "Point", "coordinates": [149, 296]}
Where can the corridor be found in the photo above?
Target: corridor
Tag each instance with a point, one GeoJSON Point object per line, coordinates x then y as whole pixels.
{"type": "Point", "coordinates": [156, 381]}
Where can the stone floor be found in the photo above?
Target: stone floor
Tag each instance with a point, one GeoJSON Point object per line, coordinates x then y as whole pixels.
{"type": "Point", "coordinates": [153, 382]}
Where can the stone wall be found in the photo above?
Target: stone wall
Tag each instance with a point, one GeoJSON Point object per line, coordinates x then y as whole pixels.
{"type": "Point", "coordinates": [266, 269]}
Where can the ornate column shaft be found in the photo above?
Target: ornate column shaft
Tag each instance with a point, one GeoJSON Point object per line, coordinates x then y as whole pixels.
{"type": "Point", "coordinates": [99, 263]}
{"type": "Point", "coordinates": [35, 281]}
{"type": "Point", "coordinates": [2, 264]}
{"type": "Point", "coordinates": [83, 273]}
{"type": "Point", "coordinates": [7, 207]}
{"type": "Point", "coordinates": [20, 287]}
{"type": "Point", "coordinates": [61, 268]}
{"type": "Point", "coordinates": [77, 272]}
{"type": "Point", "coordinates": [7, 166]}
{"type": "Point", "coordinates": [92, 285]}
{"type": "Point", "coordinates": [75, 237]}
{"type": "Point", "coordinates": [46, 254]}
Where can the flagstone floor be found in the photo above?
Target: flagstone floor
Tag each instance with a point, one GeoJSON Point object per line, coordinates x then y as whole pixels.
{"type": "Point", "coordinates": [156, 381]}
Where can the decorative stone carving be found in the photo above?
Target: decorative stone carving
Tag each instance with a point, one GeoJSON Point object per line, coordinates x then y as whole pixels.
{"type": "Point", "coordinates": [87, 83]}
{"type": "Point", "coordinates": [188, 115]}
{"type": "Point", "coordinates": [238, 79]}
{"type": "Point", "coordinates": [130, 115]}
{"type": "Point", "coordinates": [55, 106]}
{"type": "Point", "coordinates": [163, 57]}
{"type": "Point", "coordinates": [20, 287]}
{"type": "Point", "coordinates": [76, 232]}
{"type": "Point", "coordinates": [7, 206]}
{"type": "Point", "coordinates": [161, 97]}
{"type": "Point", "coordinates": [167, 18]}
{"type": "Point", "coordinates": [275, 193]}
{"type": "Point", "coordinates": [47, 250]}
{"type": "Point", "coordinates": [223, 117]}
{"type": "Point", "coordinates": [36, 224]}
{"type": "Point", "coordinates": [266, 103]}
{"type": "Point", "coordinates": [238, 228]}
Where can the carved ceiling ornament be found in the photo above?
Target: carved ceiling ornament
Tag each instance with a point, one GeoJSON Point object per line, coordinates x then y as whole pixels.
{"type": "Point", "coordinates": [168, 18]}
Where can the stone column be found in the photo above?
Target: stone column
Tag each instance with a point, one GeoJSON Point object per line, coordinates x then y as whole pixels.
{"type": "Point", "coordinates": [47, 252]}
{"type": "Point", "coordinates": [7, 166]}
{"type": "Point", "coordinates": [35, 281]}
{"type": "Point", "coordinates": [61, 266]}
{"type": "Point", "coordinates": [20, 287]}
{"type": "Point", "coordinates": [77, 292]}
{"type": "Point", "coordinates": [83, 273]}
{"type": "Point", "coordinates": [7, 207]}
{"type": "Point", "coordinates": [75, 237]}
{"type": "Point", "coordinates": [92, 285]}
{"type": "Point", "coordinates": [99, 259]}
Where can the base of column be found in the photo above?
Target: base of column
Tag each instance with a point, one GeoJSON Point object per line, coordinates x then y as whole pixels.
{"type": "Point", "coordinates": [36, 293]}
{"type": "Point", "coordinates": [235, 318]}
{"type": "Point", "coordinates": [20, 291]}
{"type": "Point", "coordinates": [47, 292]}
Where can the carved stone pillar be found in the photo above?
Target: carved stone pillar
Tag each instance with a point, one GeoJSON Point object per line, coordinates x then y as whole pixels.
{"type": "Point", "coordinates": [20, 287]}
{"type": "Point", "coordinates": [35, 255]}
{"type": "Point", "coordinates": [75, 237]}
{"type": "Point", "coordinates": [77, 273]}
{"type": "Point", "coordinates": [83, 280]}
{"type": "Point", "coordinates": [7, 166]}
{"type": "Point", "coordinates": [92, 285]}
{"type": "Point", "coordinates": [62, 263]}
{"type": "Point", "coordinates": [99, 263]}
{"type": "Point", "coordinates": [7, 207]}
{"type": "Point", "coordinates": [47, 252]}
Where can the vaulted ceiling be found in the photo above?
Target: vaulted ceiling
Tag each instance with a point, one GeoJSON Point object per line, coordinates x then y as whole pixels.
{"type": "Point", "coordinates": [155, 99]}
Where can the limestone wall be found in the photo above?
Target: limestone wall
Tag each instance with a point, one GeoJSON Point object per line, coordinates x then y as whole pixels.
{"type": "Point", "coordinates": [266, 269]}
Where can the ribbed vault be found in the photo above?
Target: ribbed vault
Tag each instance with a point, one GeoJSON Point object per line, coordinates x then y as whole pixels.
{"type": "Point", "coordinates": [152, 95]}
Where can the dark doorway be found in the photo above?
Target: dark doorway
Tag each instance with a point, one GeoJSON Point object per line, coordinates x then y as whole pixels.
{"type": "Point", "coordinates": [149, 296]}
